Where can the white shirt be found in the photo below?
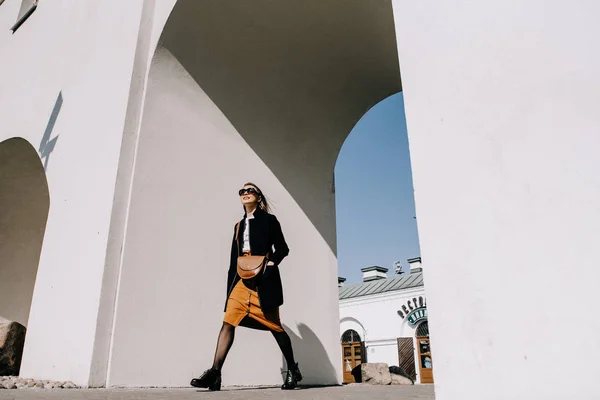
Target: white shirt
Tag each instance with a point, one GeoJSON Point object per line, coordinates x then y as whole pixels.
{"type": "Point", "coordinates": [246, 234]}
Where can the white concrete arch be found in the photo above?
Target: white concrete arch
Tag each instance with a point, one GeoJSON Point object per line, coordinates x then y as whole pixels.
{"type": "Point", "coordinates": [24, 204]}
{"type": "Point", "coordinates": [292, 78]}
{"type": "Point", "coordinates": [265, 92]}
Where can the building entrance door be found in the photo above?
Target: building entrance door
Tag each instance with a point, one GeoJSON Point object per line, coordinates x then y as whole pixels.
{"type": "Point", "coordinates": [424, 350]}
{"type": "Point", "coordinates": [352, 354]}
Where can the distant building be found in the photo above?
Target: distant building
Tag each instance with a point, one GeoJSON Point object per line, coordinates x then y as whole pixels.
{"type": "Point", "coordinates": [385, 320]}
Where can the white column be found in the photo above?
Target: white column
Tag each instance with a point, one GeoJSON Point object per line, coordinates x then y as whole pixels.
{"type": "Point", "coordinates": [84, 52]}
{"type": "Point", "coordinates": [502, 101]}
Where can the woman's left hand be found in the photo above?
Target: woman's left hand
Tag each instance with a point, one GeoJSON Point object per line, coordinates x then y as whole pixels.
{"type": "Point", "coordinates": [270, 264]}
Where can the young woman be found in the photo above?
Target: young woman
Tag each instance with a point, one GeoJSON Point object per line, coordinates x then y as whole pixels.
{"type": "Point", "coordinates": [254, 303]}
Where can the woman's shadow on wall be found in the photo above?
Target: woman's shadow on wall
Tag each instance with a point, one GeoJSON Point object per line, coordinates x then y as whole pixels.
{"type": "Point", "coordinates": [315, 365]}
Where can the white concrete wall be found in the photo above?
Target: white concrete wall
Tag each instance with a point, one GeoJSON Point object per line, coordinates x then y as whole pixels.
{"type": "Point", "coordinates": [189, 165]}
{"type": "Point", "coordinates": [100, 83]}
{"type": "Point", "coordinates": [286, 140]}
{"type": "Point", "coordinates": [383, 351]}
{"type": "Point", "coordinates": [85, 51]}
{"type": "Point", "coordinates": [502, 101]}
{"type": "Point", "coordinates": [376, 319]}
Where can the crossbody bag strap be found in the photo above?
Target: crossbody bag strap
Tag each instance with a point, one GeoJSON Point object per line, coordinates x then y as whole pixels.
{"type": "Point", "coordinates": [237, 243]}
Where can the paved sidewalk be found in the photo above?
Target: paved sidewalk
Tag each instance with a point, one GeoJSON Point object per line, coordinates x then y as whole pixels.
{"type": "Point", "coordinates": [350, 392]}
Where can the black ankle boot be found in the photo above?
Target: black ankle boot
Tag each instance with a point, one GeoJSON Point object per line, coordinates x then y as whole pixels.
{"type": "Point", "coordinates": [292, 378]}
{"type": "Point", "coordinates": [211, 379]}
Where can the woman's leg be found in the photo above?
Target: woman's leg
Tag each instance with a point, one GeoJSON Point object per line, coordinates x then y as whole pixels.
{"type": "Point", "coordinates": [285, 344]}
{"type": "Point", "coordinates": [224, 343]}
{"type": "Point", "coordinates": [293, 375]}
{"type": "Point", "coordinates": [211, 378]}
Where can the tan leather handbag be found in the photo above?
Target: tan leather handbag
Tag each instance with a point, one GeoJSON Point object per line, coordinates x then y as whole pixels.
{"type": "Point", "coordinates": [248, 266]}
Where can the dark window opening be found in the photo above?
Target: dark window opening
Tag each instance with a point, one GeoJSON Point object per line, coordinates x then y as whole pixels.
{"type": "Point", "coordinates": [423, 330]}
{"type": "Point", "coordinates": [350, 336]}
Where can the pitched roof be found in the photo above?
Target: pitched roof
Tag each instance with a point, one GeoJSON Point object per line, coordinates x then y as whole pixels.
{"type": "Point", "coordinates": [400, 282]}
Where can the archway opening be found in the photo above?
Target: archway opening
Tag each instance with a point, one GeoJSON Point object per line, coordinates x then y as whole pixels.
{"type": "Point", "coordinates": [375, 206]}
{"type": "Point", "coordinates": [24, 205]}
{"type": "Point", "coordinates": [377, 238]}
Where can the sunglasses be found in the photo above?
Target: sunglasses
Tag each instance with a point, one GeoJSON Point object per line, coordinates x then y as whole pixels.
{"type": "Point", "coordinates": [250, 190]}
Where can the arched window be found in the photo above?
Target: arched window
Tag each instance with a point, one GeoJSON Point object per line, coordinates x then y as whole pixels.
{"type": "Point", "coordinates": [350, 336]}
{"type": "Point", "coordinates": [423, 330]}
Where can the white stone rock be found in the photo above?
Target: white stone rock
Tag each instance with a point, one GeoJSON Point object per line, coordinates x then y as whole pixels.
{"type": "Point", "coordinates": [15, 382]}
{"type": "Point", "coordinates": [400, 380]}
{"type": "Point", "coordinates": [376, 373]}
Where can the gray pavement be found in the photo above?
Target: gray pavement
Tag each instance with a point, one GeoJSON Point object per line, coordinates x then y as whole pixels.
{"type": "Point", "coordinates": [349, 392]}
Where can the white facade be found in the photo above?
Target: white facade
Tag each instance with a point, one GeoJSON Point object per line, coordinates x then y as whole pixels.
{"type": "Point", "coordinates": [376, 319]}
{"type": "Point", "coordinates": [380, 318]}
{"type": "Point", "coordinates": [502, 102]}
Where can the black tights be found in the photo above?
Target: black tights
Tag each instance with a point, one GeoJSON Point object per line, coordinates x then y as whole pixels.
{"type": "Point", "coordinates": [285, 344]}
{"type": "Point", "coordinates": [223, 345]}
{"type": "Point", "coordinates": [225, 342]}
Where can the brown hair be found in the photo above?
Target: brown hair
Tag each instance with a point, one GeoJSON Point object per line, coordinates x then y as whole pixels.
{"type": "Point", "coordinates": [263, 203]}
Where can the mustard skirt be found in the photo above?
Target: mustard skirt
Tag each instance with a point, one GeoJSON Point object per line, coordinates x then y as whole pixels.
{"type": "Point", "coordinates": [243, 309]}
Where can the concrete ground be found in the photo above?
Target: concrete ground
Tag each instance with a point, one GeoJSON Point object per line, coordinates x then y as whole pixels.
{"type": "Point", "coordinates": [349, 392]}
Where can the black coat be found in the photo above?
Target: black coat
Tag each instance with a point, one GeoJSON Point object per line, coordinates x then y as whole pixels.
{"type": "Point", "coordinates": [266, 237]}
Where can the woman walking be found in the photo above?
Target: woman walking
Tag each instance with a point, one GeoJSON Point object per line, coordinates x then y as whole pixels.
{"type": "Point", "coordinates": [253, 299]}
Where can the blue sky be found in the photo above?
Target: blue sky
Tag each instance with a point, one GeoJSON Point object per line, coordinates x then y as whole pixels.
{"type": "Point", "coordinates": [374, 193]}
